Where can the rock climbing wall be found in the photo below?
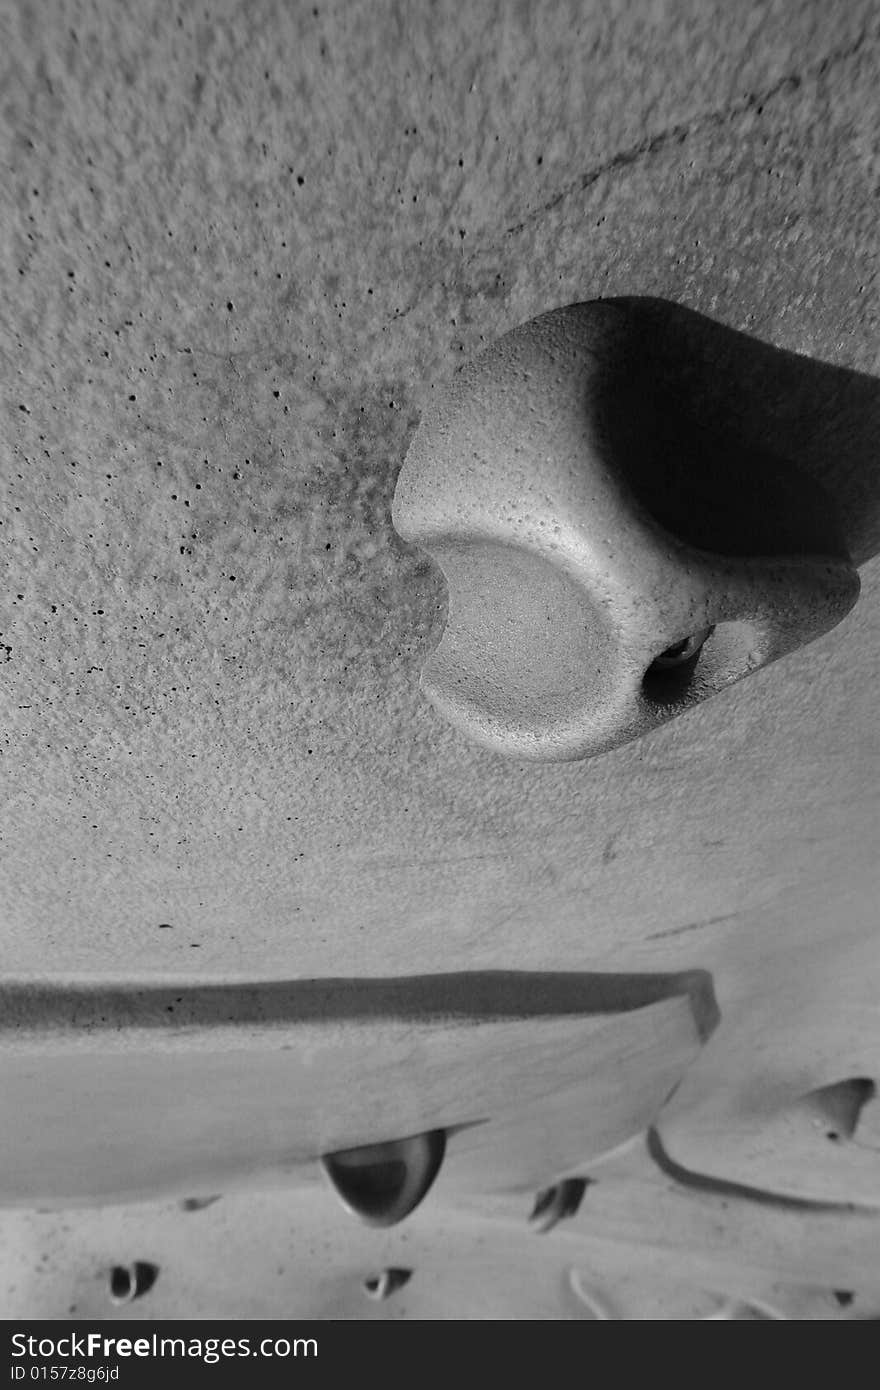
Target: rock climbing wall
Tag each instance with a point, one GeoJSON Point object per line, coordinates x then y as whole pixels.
{"type": "Point", "coordinates": [243, 245]}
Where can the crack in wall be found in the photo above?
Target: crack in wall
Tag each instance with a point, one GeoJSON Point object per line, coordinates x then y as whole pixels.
{"type": "Point", "coordinates": [679, 133]}
{"type": "Point", "coordinates": [744, 1192]}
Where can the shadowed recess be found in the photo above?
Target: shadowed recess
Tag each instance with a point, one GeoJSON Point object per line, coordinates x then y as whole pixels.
{"type": "Point", "coordinates": [753, 450]}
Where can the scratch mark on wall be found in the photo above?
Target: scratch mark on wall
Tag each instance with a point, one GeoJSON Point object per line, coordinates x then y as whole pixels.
{"type": "Point", "coordinates": [679, 133]}
{"type": "Point", "coordinates": [691, 926]}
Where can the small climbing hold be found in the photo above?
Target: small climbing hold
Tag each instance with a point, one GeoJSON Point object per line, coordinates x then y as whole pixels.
{"type": "Point", "coordinates": [555, 1203]}
{"type": "Point", "coordinates": [383, 1183]}
{"type": "Point", "coordinates": [383, 1285]}
{"type": "Point", "coordinates": [128, 1282]}
{"type": "Point", "coordinates": [839, 1106]}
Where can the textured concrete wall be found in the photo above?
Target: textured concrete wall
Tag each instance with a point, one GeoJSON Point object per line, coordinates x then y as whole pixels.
{"type": "Point", "coordinates": [239, 243]}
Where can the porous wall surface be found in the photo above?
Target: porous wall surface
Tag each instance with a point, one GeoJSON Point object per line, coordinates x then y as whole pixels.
{"type": "Point", "coordinates": [240, 243]}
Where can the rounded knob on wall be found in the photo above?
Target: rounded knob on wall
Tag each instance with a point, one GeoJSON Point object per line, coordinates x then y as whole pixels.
{"type": "Point", "coordinates": [610, 561]}
{"type": "Point", "coordinates": [382, 1183]}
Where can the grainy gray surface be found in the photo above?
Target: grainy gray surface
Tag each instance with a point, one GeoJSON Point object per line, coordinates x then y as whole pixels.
{"type": "Point", "coordinates": [238, 245]}
{"type": "Point", "coordinates": [239, 241]}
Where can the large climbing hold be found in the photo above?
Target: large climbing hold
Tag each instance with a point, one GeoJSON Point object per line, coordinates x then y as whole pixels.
{"type": "Point", "coordinates": [614, 553]}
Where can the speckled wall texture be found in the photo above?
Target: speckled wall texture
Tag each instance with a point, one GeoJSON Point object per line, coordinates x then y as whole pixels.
{"type": "Point", "coordinates": [239, 243]}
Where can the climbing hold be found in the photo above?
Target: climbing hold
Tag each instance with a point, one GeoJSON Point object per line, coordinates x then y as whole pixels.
{"type": "Point", "coordinates": [556, 1203]}
{"type": "Point", "coordinates": [128, 1282]}
{"type": "Point", "coordinates": [383, 1183]}
{"type": "Point", "coordinates": [613, 555]}
{"type": "Point", "coordinates": [383, 1285]}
